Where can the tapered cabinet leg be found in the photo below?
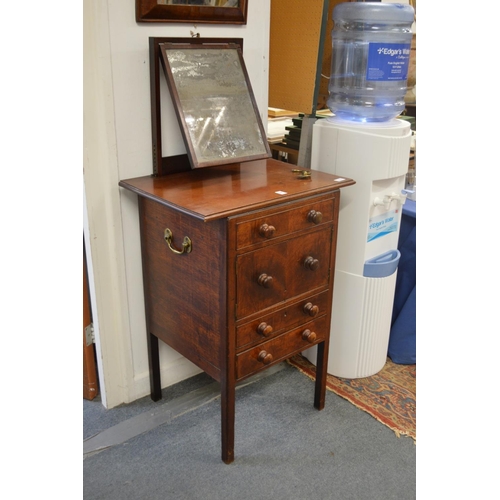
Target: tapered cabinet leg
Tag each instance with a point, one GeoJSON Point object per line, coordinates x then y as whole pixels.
{"type": "Point", "coordinates": [228, 395]}
{"type": "Point", "coordinates": [154, 367]}
{"type": "Point", "coordinates": [321, 372]}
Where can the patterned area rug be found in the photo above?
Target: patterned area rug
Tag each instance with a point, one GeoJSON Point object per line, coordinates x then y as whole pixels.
{"type": "Point", "coordinates": [389, 396]}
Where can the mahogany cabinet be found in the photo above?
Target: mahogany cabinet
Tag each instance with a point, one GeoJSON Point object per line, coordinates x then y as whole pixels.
{"type": "Point", "coordinates": [238, 266]}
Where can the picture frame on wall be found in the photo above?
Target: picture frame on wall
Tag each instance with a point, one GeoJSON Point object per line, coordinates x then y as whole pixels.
{"type": "Point", "coordinates": [191, 11]}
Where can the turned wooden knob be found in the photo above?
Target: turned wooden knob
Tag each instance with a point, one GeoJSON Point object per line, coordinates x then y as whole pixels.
{"type": "Point", "coordinates": [309, 336]}
{"type": "Point", "coordinates": [311, 309]}
{"type": "Point", "coordinates": [265, 280]}
{"type": "Point", "coordinates": [264, 329]}
{"type": "Point", "coordinates": [314, 216]}
{"type": "Point", "coordinates": [267, 231]}
{"type": "Point", "coordinates": [265, 357]}
{"type": "Point", "coordinates": [311, 263]}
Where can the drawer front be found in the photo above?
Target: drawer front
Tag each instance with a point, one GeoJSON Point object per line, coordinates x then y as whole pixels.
{"type": "Point", "coordinates": [308, 262]}
{"type": "Point", "coordinates": [269, 225]}
{"type": "Point", "coordinates": [260, 279]}
{"type": "Point", "coordinates": [279, 272]}
{"type": "Point", "coordinates": [280, 348]}
{"type": "Point", "coordinates": [269, 326]}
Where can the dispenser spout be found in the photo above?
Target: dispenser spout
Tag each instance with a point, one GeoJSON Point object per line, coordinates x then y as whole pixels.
{"type": "Point", "coordinates": [389, 198]}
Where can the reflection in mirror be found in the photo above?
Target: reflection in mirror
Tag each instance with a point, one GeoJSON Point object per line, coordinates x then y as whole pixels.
{"type": "Point", "coordinates": [215, 105]}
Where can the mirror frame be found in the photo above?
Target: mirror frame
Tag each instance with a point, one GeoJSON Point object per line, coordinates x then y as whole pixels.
{"type": "Point", "coordinates": [248, 131]}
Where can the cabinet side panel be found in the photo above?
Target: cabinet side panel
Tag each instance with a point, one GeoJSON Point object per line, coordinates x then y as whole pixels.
{"type": "Point", "coordinates": [185, 293]}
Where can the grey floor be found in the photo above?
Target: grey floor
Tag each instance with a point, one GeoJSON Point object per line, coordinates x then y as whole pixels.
{"type": "Point", "coordinates": [284, 447]}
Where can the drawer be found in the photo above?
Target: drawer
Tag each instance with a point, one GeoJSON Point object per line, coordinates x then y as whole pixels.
{"type": "Point", "coordinates": [272, 224]}
{"type": "Point", "coordinates": [271, 325]}
{"type": "Point", "coordinates": [280, 348]}
{"type": "Point", "coordinates": [276, 273]}
{"type": "Point", "coordinates": [308, 262]}
{"type": "Point", "coordinates": [260, 279]}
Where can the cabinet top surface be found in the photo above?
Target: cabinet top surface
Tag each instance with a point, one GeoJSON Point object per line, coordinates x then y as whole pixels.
{"type": "Point", "coordinates": [226, 190]}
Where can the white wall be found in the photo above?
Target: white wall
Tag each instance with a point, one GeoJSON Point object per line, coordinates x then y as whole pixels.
{"type": "Point", "coordinates": [117, 145]}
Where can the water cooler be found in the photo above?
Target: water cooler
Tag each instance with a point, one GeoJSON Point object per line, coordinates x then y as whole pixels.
{"type": "Point", "coordinates": [376, 156]}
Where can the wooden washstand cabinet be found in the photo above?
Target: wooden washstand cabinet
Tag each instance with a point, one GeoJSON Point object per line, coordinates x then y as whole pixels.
{"type": "Point", "coordinates": [238, 265]}
{"type": "Point", "coordinates": [251, 285]}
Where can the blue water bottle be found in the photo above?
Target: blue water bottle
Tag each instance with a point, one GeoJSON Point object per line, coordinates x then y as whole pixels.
{"type": "Point", "coordinates": [371, 44]}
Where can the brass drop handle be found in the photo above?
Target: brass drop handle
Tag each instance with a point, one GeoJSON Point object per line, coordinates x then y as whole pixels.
{"type": "Point", "coordinates": [309, 336]}
{"type": "Point", "coordinates": [267, 231]}
{"type": "Point", "coordinates": [311, 263]}
{"type": "Point", "coordinates": [310, 309]}
{"type": "Point", "coordinates": [265, 357]}
{"type": "Point", "coordinates": [264, 329]}
{"type": "Point", "coordinates": [265, 280]}
{"type": "Point", "coordinates": [187, 245]}
{"type": "Point", "coordinates": [314, 216]}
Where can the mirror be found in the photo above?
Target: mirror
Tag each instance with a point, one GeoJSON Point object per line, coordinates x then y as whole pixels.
{"type": "Point", "coordinates": [214, 103]}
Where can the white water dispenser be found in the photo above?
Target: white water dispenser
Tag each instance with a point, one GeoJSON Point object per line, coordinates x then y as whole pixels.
{"type": "Point", "coordinates": [376, 156]}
